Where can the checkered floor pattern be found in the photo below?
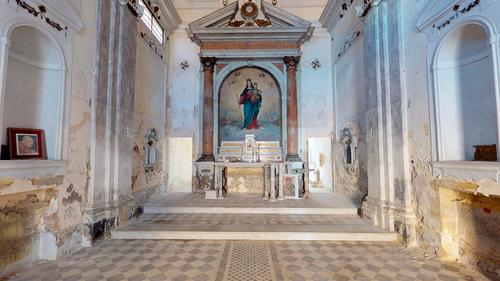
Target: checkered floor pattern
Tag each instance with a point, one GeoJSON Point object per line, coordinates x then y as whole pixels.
{"type": "Point", "coordinates": [159, 260]}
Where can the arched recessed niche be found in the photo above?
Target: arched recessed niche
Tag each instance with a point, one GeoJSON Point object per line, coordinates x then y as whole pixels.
{"type": "Point", "coordinates": [466, 107]}
{"type": "Point", "coordinates": [34, 86]}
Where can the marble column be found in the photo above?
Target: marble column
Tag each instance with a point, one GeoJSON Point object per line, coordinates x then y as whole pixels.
{"type": "Point", "coordinates": [292, 111]}
{"type": "Point", "coordinates": [208, 64]}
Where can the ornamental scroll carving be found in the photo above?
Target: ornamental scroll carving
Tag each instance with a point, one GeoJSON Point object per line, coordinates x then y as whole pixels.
{"type": "Point", "coordinates": [42, 10]}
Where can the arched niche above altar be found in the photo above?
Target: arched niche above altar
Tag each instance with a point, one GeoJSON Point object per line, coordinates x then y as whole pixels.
{"type": "Point", "coordinates": [249, 103]}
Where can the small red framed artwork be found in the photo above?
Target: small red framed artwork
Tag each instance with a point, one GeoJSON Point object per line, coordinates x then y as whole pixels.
{"type": "Point", "coordinates": [26, 143]}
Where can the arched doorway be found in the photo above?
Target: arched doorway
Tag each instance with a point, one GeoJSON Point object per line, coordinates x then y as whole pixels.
{"type": "Point", "coordinates": [465, 93]}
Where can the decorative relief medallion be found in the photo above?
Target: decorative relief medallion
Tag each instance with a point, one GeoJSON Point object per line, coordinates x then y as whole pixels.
{"type": "Point", "coordinates": [249, 10]}
{"type": "Point", "coordinates": [250, 15]}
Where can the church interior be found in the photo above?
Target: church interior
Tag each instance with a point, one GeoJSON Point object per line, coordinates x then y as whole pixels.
{"type": "Point", "coordinates": [250, 140]}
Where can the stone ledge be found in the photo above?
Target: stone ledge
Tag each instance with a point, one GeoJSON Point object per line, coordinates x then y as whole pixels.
{"type": "Point", "coordinates": [467, 170]}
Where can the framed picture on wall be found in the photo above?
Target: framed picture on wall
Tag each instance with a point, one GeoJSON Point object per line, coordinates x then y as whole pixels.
{"type": "Point", "coordinates": [26, 143]}
{"type": "Point", "coordinates": [291, 186]}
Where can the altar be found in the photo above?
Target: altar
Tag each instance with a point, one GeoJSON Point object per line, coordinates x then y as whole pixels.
{"type": "Point", "coordinates": [249, 63]}
{"type": "Point", "coordinates": [273, 176]}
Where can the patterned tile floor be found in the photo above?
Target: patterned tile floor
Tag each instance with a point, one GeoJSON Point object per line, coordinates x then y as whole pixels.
{"type": "Point", "coordinates": [158, 260]}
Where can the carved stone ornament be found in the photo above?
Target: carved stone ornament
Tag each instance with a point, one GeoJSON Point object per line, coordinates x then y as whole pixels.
{"type": "Point", "coordinates": [42, 10]}
{"type": "Point", "coordinates": [136, 9]}
{"type": "Point", "coordinates": [150, 153]}
{"type": "Point", "coordinates": [249, 10]}
{"type": "Point", "coordinates": [208, 63]}
{"type": "Point", "coordinates": [250, 149]}
{"type": "Point", "coordinates": [250, 14]}
{"type": "Point", "coordinates": [291, 62]}
{"type": "Point", "coordinates": [349, 142]}
{"type": "Point", "coordinates": [153, 44]}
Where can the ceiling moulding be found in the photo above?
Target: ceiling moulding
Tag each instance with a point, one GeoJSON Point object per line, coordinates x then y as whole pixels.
{"type": "Point", "coordinates": [283, 26]}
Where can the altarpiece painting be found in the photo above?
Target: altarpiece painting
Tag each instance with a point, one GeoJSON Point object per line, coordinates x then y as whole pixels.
{"type": "Point", "coordinates": [249, 103]}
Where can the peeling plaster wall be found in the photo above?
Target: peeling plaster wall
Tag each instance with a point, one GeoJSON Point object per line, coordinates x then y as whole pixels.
{"type": "Point", "coordinates": [476, 216]}
{"type": "Point", "coordinates": [425, 198]}
{"type": "Point", "coordinates": [350, 104]}
{"type": "Point", "coordinates": [41, 208]}
{"type": "Point", "coordinates": [470, 222]}
{"type": "Point", "coordinates": [150, 107]}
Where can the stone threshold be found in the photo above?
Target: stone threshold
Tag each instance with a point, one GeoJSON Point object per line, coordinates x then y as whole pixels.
{"type": "Point", "coordinates": [258, 210]}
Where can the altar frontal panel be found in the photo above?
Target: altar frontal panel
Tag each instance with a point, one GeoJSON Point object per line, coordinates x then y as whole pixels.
{"type": "Point", "coordinates": [245, 180]}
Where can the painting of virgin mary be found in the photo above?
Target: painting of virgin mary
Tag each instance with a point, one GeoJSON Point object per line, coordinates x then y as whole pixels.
{"type": "Point", "coordinates": [249, 103]}
{"type": "Point", "coordinates": [251, 99]}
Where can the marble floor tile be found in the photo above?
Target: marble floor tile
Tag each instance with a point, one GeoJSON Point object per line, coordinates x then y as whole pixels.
{"type": "Point", "coordinates": [159, 260]}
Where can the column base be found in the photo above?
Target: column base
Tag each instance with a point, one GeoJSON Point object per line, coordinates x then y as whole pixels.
{"type": "Point", "coordinates": [207, 158]}
{"type": "Point", "coordinates": [293, 158]}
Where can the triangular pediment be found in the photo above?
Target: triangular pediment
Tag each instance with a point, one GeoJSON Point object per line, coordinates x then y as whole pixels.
{"type": "Point", "coordinates": [272, 24]}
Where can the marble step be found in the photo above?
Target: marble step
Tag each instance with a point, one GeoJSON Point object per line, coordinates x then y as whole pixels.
{"type": "Point", "coordinates": [252, 227]}
{"type": "Point", "coordinates": [250, 210]}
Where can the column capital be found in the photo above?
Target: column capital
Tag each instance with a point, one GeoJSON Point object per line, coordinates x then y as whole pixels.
{"type": "Point", "coordinates": [208, 63]}
{"type": "Point", "coordinates": [291, 62]}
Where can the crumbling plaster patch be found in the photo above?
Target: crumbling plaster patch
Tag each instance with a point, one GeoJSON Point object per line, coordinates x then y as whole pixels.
{"type": "Point", "coordinates": [470, 222]}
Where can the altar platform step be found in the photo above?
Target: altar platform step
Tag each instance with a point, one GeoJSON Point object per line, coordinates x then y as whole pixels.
{"type": "Point", "coordinates": [279, 227]}
{"type": "Point", "coordinates": [193, 203]}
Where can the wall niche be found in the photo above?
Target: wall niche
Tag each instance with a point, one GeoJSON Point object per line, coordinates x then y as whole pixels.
{"type": "Point", "coordinates": [465, 93]}
{"type": "Point", "coordinates": [34, 87]}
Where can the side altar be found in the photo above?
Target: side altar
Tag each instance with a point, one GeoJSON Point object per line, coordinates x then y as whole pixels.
{"type": "Point", "coordinates": [250, 53]}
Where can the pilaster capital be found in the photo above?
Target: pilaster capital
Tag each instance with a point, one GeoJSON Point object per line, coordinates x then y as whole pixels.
{"type": "Point", "coordinates": [291, 62]}
{"type": "Point", "coordinates": [208, 63]}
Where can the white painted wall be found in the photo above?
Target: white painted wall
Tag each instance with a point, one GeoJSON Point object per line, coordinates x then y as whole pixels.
{"type": "Point", "coordinates": [184, 88]}
{"type": "Point", "coordinates": [180, 157]}
{"type": "Point", "coordinates": [315, 95]}
{"type": "Point", "coordinates": [320, 159]}
{"type": "Point", "coordinates": [350, 95]}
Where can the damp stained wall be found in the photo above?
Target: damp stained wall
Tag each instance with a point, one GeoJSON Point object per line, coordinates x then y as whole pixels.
{"type": "Point", "coordinates": [150, 111]}
{"type": "Point", "coordinates": [41, 216]}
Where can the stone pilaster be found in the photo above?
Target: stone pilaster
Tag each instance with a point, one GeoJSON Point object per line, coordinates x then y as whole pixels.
{"type": "Point", "coordinates": [109, 199]}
